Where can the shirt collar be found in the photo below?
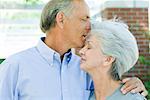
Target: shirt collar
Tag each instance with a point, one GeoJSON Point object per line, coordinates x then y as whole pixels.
{"type": "Point", "coordinates": [68, 56]}
{"type": "Point", "coordinates": [48, 54]}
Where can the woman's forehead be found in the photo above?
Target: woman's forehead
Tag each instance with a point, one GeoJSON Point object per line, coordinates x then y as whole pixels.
{"type": "Point", "coordinates": [92, 40]}
{"type": "Point", "coordinates": [91, 37]}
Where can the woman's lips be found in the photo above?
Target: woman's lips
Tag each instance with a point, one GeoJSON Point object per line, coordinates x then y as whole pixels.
{"type": "Point", "coordinates": [83, 59]}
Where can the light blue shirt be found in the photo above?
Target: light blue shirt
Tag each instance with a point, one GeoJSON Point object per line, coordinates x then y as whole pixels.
{"type": "Point", "coordinates": [39, 74]}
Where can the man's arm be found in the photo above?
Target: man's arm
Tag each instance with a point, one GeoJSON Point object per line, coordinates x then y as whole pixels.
{"type": "Point", "coordinates": [133, 85]}
{"type": "Point", "coordinates": [8, 80]}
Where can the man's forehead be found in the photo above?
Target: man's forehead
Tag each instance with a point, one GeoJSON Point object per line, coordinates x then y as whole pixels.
{"type": "Point", "coordinates": [81, 4]}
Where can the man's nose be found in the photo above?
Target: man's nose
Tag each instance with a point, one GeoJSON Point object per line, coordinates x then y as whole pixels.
{"type": "Point", "coordinates": [88, 26]}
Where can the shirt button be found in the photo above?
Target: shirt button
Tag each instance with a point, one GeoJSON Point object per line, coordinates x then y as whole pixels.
{"type": "Point", "coordinates": [68, 59]}
{"type": "Point", "coordinates": [51, 65]}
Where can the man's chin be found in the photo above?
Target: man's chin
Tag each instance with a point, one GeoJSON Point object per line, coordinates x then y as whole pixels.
{"type": "Point", "coordinates": [80, 46]}
{"type": "Point", "coordinates": [81, 66]}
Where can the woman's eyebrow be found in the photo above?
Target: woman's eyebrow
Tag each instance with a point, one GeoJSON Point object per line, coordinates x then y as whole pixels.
{"type": "Point", "coordinates": [89, 42]}
{"type": "Point", "coordinates": [88, 36]}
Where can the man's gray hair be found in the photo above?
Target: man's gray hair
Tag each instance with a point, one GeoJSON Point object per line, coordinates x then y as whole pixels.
{"type": "Point", "coordinates": [50, 11]}
{"type": "Point", "coordinates": [117, 41]}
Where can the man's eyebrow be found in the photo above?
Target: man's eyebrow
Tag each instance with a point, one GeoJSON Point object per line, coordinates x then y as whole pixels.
{"type": "Point", "coordinates": [87, 17]}
{"type": "Point", "coordinates": [89, 42]}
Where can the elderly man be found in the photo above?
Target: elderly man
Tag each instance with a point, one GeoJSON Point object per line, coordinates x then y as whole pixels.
{"type": "Point", "coordinates": [50, 70]}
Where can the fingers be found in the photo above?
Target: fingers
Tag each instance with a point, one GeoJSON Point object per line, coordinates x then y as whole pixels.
{"type": "Point", "coordinates": [132, 85]}
{"type": "Point", "coordinates": [144, 93]}
{"type": "Point", "coordinates": [125, 80]}
{"type": "Point", "coordinates": [136, 90]}
{"type": "Point", "coordinates": [128, 86]}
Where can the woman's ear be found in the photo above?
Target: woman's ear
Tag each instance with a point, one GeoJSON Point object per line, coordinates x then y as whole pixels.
{"type": "Point", "coordinates": [109, 60]}
{"type": "Point", "coordinates": [60, 19]}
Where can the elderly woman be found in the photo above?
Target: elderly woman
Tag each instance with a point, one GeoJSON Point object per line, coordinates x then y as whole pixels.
{"type": "Point", "coordinates": [110, 51]}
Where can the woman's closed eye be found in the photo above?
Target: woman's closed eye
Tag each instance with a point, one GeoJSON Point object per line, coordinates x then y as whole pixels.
{"type": "Point", "coordinates": [88, 47]}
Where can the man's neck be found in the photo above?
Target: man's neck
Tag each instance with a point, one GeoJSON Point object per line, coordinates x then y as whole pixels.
{"type": "Point", "coordinates": [57, 43]}
{"type": "Point", "coordinates": [104, 86]}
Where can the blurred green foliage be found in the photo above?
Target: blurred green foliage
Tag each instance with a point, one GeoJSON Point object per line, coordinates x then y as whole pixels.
{"type": "Point", "coordinates": [33, 2]}
{"type": "Point", "coordinates": [146, 62]}
{"type": "Point", "coordinates": [1, 60]}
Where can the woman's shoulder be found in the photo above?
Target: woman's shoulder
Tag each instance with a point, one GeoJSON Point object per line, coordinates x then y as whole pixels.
{"type": "Point", "coordinates": [135, 96]}
{"type": "Point", "coordinates": [129, 96]}
{"type": "Point", "coordinates": [118, 95]}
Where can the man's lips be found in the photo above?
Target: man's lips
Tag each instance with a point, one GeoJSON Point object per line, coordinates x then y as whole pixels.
{"type": "Point", "coordinates": [84, 36]}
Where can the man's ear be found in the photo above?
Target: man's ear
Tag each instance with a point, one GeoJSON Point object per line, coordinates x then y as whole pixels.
{"type": "Point", "coordinates": [109, 60]}
{"type": "Point", "coordinates": [60, 19]}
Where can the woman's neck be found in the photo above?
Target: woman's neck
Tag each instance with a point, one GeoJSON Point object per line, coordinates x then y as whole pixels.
{"type": "Point", "coordinates": [104, 85]}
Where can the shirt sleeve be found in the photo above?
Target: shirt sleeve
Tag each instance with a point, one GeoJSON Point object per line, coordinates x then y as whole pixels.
{"type": "Point", "coordinates": [8, 80]}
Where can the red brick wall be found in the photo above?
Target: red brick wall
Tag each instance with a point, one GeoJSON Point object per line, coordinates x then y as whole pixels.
{"type": "Point", "coordinates": [137, 19]}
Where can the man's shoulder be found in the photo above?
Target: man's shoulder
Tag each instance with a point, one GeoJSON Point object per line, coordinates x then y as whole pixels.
{"type": "Point", "coordinates": [22, 55]}
{"type": "Point", "coordinates": [13, 62]}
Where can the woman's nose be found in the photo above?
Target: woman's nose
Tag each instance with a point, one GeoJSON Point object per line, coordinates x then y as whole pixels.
{"type": "Point", "coordinates": [81, 52]}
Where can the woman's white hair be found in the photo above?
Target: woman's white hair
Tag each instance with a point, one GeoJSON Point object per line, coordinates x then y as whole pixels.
{"type": "Point", "coordinates": [117, 41]}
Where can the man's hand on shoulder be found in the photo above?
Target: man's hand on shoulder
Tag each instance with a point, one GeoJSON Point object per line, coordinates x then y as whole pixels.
{"type": "Point", "coordinates": [133, 85]}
